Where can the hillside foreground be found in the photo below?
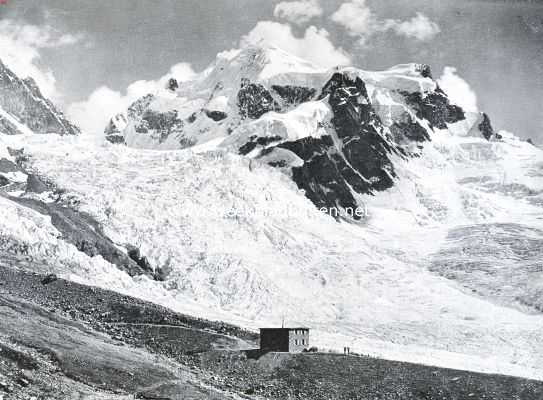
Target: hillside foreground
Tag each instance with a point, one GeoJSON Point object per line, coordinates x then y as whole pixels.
{"type": "Point", "coordinates": [60, 339]}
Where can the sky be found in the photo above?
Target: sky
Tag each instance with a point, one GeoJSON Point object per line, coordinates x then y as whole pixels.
{"type": "Point", "coordinates": [94, 57]}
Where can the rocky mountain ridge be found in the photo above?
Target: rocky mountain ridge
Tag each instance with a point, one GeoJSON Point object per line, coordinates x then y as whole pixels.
{"type": "Point", "coordinates": [347, 145]}
{"type": "Point", "coordinates": [23, 103]}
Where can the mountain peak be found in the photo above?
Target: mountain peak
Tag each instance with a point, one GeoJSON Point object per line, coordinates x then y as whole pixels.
{"type": "Point", "coordinates": [24, 107]}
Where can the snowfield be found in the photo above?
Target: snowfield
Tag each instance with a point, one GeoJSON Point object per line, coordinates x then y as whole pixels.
{"type": "Point", "coordinates": [244, 245]}
{"type": "Point", "coordinates": [422, 278]}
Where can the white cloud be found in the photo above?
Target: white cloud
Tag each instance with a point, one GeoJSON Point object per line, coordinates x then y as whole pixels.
{"type": "Point", "coordinates": [419, 27]}
{"type": "Point", "coordinates": [359, 21]}
{"type": "Point", "coordinates": [298, 12]}
{"type": "Point", "coordinates": [93, 114]}
{"type": "Point", "coordinates": [314, 46]}
{"type": "Point", "coordinates": [20, 46]}
{"type": "Point", "coordinates": [457, 89]}
{"type": "Point", "coordinates": [356, 17]}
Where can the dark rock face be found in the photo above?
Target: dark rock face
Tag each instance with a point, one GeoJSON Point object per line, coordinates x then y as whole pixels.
{"type": "Point", "coordinates": [135, 254]}
{"type": "Point", "coordinates": [137, 108]}
{"type": "Point", "coordinates": [172, 84]}
{"type": "Point", "coordinates": [163, 123]}
{"type": "Point", "coordinates": [486, 127]}
{"type": "Point", "coordinates": [425, 70]}
{"type": "Point", "coordinates": [7, 166]}
{"type": "Point", "coordinates": [115, 139]}
{"type": "Point", "coordinates": [361, 131]}
{"type": "Point", "coordinates": [83, 232]}
{"type": "Point", "coordinates": [294, 95]}
{"type": "Point", "coordinates": [145, 120]}
{"type": "Point", "coordinates": [360, 163]}
{"type": "Point", "coordinates": [23, 99]}
{"type": "Point", "coordinates": [434, 107]}
{"type": "Point", "coordinates": [255, 141]}
{"type": "Point", "coordinates": [254, 100]}
{"type": "Point", "coordinates": [410, 130]}
{"type": "Point", "coordinates": [49, 279]}
{"type": "Point", "coordinates": [8, 128]}
{"type": "Point", "coordinates": [216, 115]}
{"type": "Point", "coordinates": [321, 176]}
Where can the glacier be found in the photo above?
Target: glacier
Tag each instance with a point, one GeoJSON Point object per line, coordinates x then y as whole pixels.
{"type": "Point", "coordinates": [445, 269]}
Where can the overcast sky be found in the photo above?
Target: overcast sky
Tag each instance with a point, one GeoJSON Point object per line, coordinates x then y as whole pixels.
{"type": "Point", "coordinates": [78, 48]}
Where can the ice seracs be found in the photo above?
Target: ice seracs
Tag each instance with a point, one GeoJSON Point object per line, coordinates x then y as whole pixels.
{"type": "Point", "coordinates": [230, 210]}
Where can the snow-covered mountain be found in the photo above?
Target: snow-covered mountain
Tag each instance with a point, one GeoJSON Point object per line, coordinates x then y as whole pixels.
{"type": "Point", "coordinates": [336, 132]}
{"type": "Point", "coordinates": [21, 102]}
{"type": "Point", "coordinates": [444, 268]}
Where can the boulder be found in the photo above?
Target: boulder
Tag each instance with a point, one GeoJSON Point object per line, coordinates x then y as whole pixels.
{"type": "Point", "coordinates": [4, 181]}
{"type": "Point", "coordinates": [49, 279]}
{"type": "Point", "coordinates": [35, 185]}
{"type": "Point", "coordinates": [7, 166]}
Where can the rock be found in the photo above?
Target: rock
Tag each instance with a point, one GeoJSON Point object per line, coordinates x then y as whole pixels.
{"type": "Point", "coordinates": [254, 100]}
{"type": "Point", "coordinates": [172, 84]}
{"type": "Point", "coordinates": [8, 128]}
{"type": "Point", "coordinates": [142, 261]}
{"type": "Point", "coordinates": [114, 129]}
{"type": "Point", "coordinates": [216, 115]}
{"type": "Point", "coordinates": [49, 279]}
{"type": "Point", "coordinates": [23, 99]}
{"type": "Point", "coordinates": [255, 141]}
{"type": "Point", "coordinates": [331, 175]}
{"type": "Point", "coordinates": [133, 252]}
{"type": "Point", "coordinates": [22, 382]}
{"type": "Point", "coordinates": [410, 130]}
{"type": "Point", "coordinates": [7, 166]}
{"type": "Point", "coordinates": [425, 70]}
{"type": "Point", "coordinates": [16, 152]}
{"type": "Point", "coordinates": [161, 124]}
{"type": "Point", "coordinates": [434, 107]}
{"type": "Point", "coordinates": [85, 233]}
{"type": "Point", "coordinates": [529, 140]}
{"type": "Point", "coordinates": [35, 185]}
{"type": "Point", "coordinates": [294, 95]}
{"type": "Point", "coordinates": [115, 139]}
{"type": "Point", "coordinates": [486, 127]}
{"type": "Point", "coordinates": [4, 181]}
{"type": "Point", "coordinates": [5, 387]}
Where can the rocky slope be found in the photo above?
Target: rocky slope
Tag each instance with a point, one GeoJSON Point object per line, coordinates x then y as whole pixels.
{"type": "Point", "coordinates": [63, 340]}
{"type": "Point", "coordinates": [22, 102]}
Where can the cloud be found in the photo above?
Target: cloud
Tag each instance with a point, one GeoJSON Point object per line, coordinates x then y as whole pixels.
{"type": "Point", "coordinates": [458, 90]}
{"type": "Point", "coordinates": [360, 21]}
{"type": "Point", "coordinates": [298, 12]}
{"type": "Point", "coordinates": [356, 17]}
{"type": "Point", "coordinates": [20, 46]}
{"type": "Point", "coordinates": [314, 46]}
{"type": "Point", "coordinates": [419, 27]}
{"type": "Point", "coordinates": [93, 114]}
